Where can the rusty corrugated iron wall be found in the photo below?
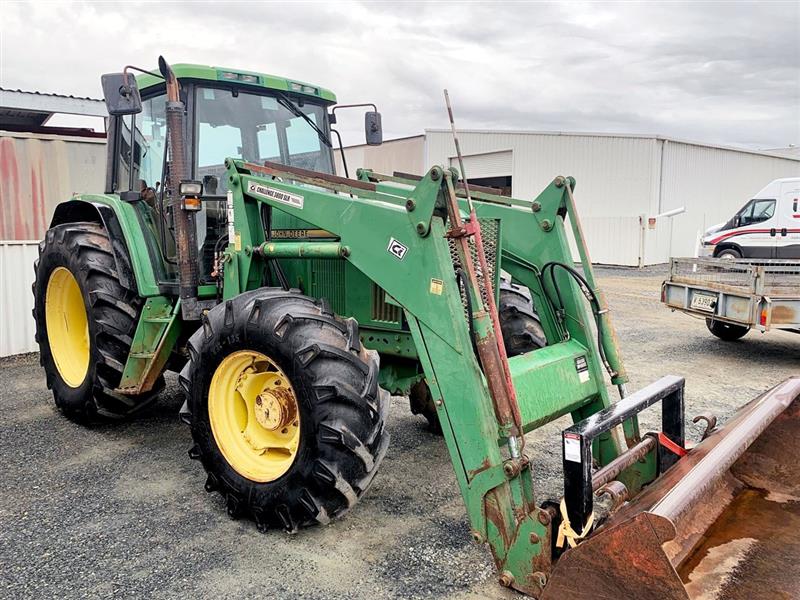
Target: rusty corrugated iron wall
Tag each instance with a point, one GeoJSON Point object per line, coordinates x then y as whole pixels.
{"type": "Point", "coordinates": [37, 171]}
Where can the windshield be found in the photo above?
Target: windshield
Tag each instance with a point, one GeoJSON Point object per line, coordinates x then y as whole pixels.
{"type": "Point", "coordinates": [256, 128]}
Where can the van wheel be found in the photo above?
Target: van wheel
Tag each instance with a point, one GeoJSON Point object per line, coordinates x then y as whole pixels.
{"type": "Point", "coordinates": [726, 331]}
{"type": "Point", "coordinates": [730, 253]}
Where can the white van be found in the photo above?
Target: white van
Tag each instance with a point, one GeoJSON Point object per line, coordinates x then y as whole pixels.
{"type": "Point", "coordinates": [768, 226]}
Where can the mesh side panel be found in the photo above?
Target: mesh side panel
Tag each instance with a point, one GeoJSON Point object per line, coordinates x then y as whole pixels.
{"type": "Point", "coordinates": [490, 233]}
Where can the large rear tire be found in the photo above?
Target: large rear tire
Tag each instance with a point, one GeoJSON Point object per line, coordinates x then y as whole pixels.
{"type": "Point", "coordinates": [726, 331]}
{"type": "Point", "coordinates": [522, 332]}
{"type": "Point", "coordinates": [521, 327]}
{"type": "Point", "coordinates": [85, 322]}
{"type": "Point", "coordinates": [285, 409]}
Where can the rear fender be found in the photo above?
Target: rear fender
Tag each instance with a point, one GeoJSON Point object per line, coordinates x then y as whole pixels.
{"type": "Point", "coordinates": [134, 268]}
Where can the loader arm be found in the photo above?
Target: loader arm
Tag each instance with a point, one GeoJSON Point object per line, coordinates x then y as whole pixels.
{"type": "Point", "coordinates": [395, 235]}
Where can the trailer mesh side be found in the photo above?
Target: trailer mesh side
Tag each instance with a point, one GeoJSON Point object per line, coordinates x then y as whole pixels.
{"type": "Point", "coordinates": [766, 277]}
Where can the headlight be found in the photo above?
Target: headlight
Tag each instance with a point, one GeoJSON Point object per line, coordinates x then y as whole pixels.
{"type": "Point", "coordinates": [190, 188]}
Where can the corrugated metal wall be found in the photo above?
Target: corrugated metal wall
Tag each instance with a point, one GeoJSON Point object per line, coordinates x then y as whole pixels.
{"type": "Point", "coordinates": [712, 183]}
{"type": "Point", "coordinates": [37, 172]}
{"type": "Point", "coordinates": [615, 182]}
{"type": "Point", "coordinates": [620, 178]}
{"type": "Point", "coordinates": [404, 155]}
{"type": "Point", "coordinates": [17, 327]}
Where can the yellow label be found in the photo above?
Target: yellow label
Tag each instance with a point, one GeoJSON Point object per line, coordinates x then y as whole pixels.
{"type": "Point", "coordinates": [237, 242]}
{"type": "Point", "coordinates": [437, 286]}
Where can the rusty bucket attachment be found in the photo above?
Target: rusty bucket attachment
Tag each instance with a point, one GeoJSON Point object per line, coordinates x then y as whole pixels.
{"type": "Point", "coordinates": [721, 523]}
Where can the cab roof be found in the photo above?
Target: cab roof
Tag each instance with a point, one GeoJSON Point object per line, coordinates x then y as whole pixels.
{"type": "Point", "coordinates": [240, 78]}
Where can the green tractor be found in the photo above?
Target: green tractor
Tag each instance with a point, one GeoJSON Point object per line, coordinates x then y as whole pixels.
{"type": "Point", "coordinates": [293, 301]}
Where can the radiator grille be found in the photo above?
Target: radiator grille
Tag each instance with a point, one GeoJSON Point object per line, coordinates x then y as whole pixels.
{"type": "Point", "coordinates": [382, 310]}
{"type": "Point", "coordinates": [328, 281]}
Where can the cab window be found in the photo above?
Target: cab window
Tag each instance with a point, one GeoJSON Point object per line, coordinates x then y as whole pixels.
{"type": "Point", "coordinates": [757, 211]}
{"type": "Point", "coordinates": [142, 142]}
{"type": "Point", "coordinates": [256, 128]}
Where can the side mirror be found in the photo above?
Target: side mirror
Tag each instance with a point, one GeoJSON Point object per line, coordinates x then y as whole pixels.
{"type": "Point", "coordinates": [122, 97]}
{"type": "Point", "coordinates": [737, 221]}
{"type": "Point", "coordinates": [372, 128]}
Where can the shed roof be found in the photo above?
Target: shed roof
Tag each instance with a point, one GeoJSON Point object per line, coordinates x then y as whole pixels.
{"type": "Point", "coordinates": [23, 109]}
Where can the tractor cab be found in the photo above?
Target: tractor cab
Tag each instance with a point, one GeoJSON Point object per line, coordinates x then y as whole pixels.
{"type": "Point", "coordinates": [228, 114]}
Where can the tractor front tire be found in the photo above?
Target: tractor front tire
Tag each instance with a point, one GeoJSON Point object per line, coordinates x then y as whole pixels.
{"type": "Point", "coordinates": [85, 322]}
{"type": "Point", "coordinates": [726, 331]}
{"type": "Point", "coordinates": [284, 408]}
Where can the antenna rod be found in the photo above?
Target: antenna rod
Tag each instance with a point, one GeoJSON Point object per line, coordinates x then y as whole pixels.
{"type": "Point", "coordinates": [458, 149]}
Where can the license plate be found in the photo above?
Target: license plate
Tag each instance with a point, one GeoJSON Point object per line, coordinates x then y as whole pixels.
{"type": "Point", "coordinates": [704, 302]}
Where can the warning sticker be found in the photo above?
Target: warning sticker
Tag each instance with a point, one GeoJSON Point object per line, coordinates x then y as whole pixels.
{"type": "Point", "coordinates": [582, 367]}
{"type": "Point", "coordinates": [437, 286]}
{"type": "Point", "coordinates": [572, 447]}
{"type": "Point", "coordinates": [280, 196]}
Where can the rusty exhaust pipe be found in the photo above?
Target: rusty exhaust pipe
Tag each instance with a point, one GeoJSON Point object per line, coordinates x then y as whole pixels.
{"type": "Point", "coordinates": [721, 523]}
{"type": "Point", "coordinates": [185, 229]}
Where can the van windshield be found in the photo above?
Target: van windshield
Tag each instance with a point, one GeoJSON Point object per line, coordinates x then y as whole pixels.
{"type": "Point", "coordinates": [756, 211]}
{"type": "Point", "coordinates": [255, 128]}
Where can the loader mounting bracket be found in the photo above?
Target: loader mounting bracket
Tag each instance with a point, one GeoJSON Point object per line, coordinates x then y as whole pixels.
{"type": "Point", "coordinates": [577, 440]}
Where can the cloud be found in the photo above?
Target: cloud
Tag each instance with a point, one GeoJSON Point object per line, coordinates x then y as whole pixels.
{"type": "Point", "coordinates": [708, 71]}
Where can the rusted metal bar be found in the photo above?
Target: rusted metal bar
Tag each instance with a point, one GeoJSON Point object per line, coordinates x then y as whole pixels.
{"type": "Point", "coordinates": [332, 182]}
{"type": "Point", "coordinates": [612, 470]}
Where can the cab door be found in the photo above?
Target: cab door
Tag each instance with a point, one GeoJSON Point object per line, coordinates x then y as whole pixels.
{"type": "Point", "coordinates": [757, 230]}
{"type": "Point", "coordinates": [788, 237]}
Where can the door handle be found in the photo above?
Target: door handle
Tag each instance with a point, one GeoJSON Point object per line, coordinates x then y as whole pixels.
{"type": "Point", "coordinates": [772, 232]}
{"type": "Point", "coordinates": [784, 232]}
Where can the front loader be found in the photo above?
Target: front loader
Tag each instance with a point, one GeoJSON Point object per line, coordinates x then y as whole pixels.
{"type": "Point", "coordinates": [292, 301]}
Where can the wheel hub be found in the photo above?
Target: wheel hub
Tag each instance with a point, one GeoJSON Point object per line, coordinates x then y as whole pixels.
{"type": "Point", "coordinates": [275, 408]}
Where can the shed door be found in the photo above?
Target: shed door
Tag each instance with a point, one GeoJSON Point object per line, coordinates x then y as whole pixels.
{"type": "Point", "coordinates": [488, 164]}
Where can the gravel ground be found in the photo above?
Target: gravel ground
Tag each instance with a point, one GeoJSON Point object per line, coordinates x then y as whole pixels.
{"type": "Point", "coordinates": [119, 510]}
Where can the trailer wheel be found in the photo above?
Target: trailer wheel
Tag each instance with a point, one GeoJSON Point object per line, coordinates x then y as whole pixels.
{"type": "Point", "coordinates": [285, 409]}
{"type": "Point", "coordinates": [85, 322]}
{"type": "Point", "coordinates": [522, 332]}
{"type": "Point", "coordinates": [726, 331]}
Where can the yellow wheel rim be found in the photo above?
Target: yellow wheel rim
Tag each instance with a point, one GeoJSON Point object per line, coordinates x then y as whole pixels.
{"type": "Point", "coordinates": [67, 326]}
{"type": "Point", "coordinates": [254, 415]}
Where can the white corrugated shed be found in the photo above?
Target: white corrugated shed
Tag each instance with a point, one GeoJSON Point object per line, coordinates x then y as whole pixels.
{"type": "Point", "coordinates": [402, 154]}
{"type": "Point", "coordinates": [17, 327]}
{"type": "Point", "coordinates": [621, 181]}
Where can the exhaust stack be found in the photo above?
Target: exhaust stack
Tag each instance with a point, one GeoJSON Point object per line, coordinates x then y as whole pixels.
{"type": "Point", "coordinates": [185, 229]}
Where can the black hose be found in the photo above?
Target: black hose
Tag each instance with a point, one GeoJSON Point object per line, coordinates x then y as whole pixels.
{"type": "Point", "coordinates": [266, 223]}
{"type": "Point", "coordinates": [590, 296]}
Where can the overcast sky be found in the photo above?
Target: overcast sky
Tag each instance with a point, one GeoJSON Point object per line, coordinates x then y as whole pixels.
{"type": "Point", "coordinates": [724, 72]}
